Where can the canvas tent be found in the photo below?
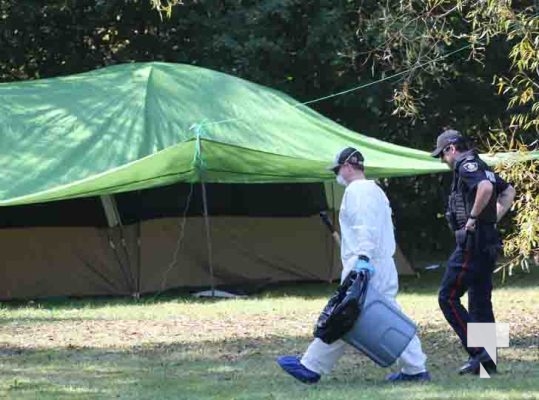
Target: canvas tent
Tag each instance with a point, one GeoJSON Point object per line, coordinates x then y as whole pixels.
{"type": "Point", "coordinates": [104, 176]}
{"type": "Point", "coordinates": [259, 234]}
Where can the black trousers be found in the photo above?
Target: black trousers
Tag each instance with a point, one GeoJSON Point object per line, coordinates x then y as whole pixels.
{"type": "Point", "coordinates": [469, 269]}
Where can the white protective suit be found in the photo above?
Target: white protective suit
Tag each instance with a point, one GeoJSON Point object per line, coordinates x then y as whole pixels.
{"type": "Point", "coordinates": [366, 228]}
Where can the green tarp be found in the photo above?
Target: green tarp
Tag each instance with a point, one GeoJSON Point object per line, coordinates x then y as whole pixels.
{"type": "Point", "coordinates": [141, 125]}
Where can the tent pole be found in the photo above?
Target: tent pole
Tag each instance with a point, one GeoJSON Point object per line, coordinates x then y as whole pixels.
{"type": "Point", "coordinates": [117, 256]}
{"type": "Point", "coordinates": [208, 237]}
{"type": "Point", "coordinates": [137, 283]}
{"type": "Point", "coordinates": [113, 220]}
{"type": "Point", "coordinates": [134, 292]}
{"type": "Point", "coordinates": [201, 172]}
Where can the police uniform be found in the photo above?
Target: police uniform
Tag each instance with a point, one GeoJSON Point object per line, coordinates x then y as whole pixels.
{"type": "Point", "coordinates": [471, 265]}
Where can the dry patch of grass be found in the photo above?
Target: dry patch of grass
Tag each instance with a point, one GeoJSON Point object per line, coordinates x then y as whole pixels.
{"type": "Point", "coordinates": [194, 349]}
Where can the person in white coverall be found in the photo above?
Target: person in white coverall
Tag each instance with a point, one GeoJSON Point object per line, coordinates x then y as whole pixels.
{"type": "Point", "coordinates": [367, 243]}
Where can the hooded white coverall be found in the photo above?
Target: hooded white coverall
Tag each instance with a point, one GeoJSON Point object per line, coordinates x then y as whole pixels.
{"type": "Point", "coordinates": [366, 229]}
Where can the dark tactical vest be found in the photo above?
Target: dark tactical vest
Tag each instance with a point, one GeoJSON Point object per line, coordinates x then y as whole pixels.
{"type": "Point", "coordinates": [462, 198]}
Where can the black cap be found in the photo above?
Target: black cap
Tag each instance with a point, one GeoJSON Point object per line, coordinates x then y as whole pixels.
{"type": "Point", "coordinates": [446, 138]}
{"type": "Point", "coordinates": [348, 155]}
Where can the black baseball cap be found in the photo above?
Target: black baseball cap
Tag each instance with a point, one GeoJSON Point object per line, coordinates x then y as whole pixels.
{"type": "Point", "coordinates": [446, 138]}
{"type": "Point", "coordinates": [348, 155]}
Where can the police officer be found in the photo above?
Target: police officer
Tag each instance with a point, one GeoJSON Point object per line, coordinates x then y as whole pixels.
{"type": "Point", "coordinates": [479, 198]}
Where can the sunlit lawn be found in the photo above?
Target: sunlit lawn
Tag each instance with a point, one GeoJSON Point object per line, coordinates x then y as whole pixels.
{"type": "Point", "coordinates": [176, 347]}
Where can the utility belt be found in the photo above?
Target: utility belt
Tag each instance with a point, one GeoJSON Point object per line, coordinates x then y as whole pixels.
{"type": "Point", "coordinates": [456, 224]}
{"type": "Point", "coordinates": [484, 238]}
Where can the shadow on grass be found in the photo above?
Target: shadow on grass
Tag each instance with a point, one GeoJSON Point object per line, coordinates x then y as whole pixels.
{"type": "Point", "coordinates": [244, 369]}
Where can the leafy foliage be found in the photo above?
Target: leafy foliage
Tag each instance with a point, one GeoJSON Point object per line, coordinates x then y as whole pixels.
{"type": "Point", "coordinates": [413, 36]}
{"type": "Point", "coordinates": [165, 6]}
{"type": "Point", "coordinates": [522, 242]}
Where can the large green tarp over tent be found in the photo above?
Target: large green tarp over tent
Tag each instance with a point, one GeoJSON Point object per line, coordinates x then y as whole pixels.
{"type": "Point", "coordinates": [141, 125]}
{"type": "Point", "coordinates": [74, 152]}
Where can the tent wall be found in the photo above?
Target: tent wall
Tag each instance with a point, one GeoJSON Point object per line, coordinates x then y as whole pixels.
{"type": "Point", "coordinates": [42, 262]}
{"type": "Point", "coordinates": [78, 261]}
{"type": "Point", "coordinates": [259, 234]}
{"type": "Point", "coordinates": [244, 250]}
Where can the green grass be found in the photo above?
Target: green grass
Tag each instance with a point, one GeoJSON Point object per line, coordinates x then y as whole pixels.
{"type": "Point", "coordinates": [183, 348]}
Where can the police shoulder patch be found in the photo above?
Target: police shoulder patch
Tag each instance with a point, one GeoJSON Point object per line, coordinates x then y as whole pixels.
{"type": "Point", "coordinates": [470, 166]}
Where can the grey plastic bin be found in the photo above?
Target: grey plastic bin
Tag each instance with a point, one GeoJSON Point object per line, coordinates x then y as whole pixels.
{"type": "Point", "coordinates": [382, 331]}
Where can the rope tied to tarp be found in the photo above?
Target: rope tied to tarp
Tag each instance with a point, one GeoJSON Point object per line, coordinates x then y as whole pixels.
{"type": "Point", "coordinates": [343, 92]}
{"type": "Point", "coordinates": [198, 161]}
{"type": "Point", "coordinates": [199, 164]}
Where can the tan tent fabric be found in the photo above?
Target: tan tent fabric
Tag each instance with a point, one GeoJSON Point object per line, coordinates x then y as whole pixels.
{"type": "Point", "coordinates": [79, 261]}
{"type": "Point", "coordinates": [40, 262]}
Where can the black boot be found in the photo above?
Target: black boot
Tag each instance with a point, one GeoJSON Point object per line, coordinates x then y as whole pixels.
{"type": "Point", "coordinates": [472, 366]}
